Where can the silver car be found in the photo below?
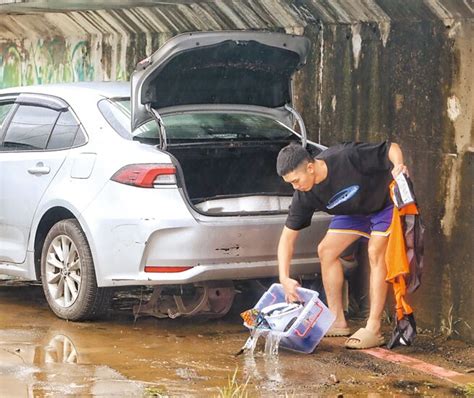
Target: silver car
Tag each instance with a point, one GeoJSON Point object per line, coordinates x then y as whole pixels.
{"type": "Point", "coordinates": [167, 181]}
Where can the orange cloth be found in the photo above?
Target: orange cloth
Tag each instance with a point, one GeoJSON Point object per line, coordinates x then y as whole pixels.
{"type": "Point", "coordinates": [396, 259]}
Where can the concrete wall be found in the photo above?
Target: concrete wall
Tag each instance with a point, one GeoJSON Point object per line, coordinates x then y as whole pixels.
{"type": "Point", "coordinates": [384, 69]}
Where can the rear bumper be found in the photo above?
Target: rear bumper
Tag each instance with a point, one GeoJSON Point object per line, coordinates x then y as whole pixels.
{"type": "Point", "coordinates": [231, 271]}
{"type": "Point", "coordinates": [160, 230]}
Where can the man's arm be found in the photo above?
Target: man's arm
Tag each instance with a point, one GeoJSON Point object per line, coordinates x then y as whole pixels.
{"type": "Point", "coordinates": [285, 254]}
{"type": "Point", "coordinates": [395, 155]}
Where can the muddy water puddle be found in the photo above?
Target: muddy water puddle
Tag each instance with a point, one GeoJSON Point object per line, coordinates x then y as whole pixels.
{"type": "Point", "coordinates": [43, 356]}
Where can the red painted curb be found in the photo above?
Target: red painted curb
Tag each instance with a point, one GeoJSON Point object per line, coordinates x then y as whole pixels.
{"type": "Point", "coordinates": [420, 365]}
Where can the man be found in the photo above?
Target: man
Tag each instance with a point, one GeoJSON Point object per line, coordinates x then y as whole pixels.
{"type": "Point", "coordinates": [351, 181]}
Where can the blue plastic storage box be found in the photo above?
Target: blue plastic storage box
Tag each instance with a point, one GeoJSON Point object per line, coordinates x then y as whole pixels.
{"type": "Point", "coordinates": [311, 324]}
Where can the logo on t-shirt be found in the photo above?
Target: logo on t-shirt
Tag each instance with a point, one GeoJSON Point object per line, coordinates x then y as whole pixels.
{"type": "Point", "coordinates": [342, 196]}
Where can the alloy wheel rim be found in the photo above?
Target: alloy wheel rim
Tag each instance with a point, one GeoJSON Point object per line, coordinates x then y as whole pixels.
{"type": "Point", "coordinates": [63, 271]}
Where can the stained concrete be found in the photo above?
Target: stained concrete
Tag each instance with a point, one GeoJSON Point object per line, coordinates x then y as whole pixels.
{"type": "Point", "coordinates": [384, 69]}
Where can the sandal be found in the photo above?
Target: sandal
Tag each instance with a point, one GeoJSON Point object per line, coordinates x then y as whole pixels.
{"type": "Point", "coordinates": [338, 332]}
{"type": "Point", "coordinates": [364, 338]}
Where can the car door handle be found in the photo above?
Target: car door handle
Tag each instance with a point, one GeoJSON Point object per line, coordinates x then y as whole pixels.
{"type": "Point", "coordinates": [39, 169]}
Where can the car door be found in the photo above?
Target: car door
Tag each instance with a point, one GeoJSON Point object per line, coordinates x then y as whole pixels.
{"type": "Point", "coordinates": [30, 156]}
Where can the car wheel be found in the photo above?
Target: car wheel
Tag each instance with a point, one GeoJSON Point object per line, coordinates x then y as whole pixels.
{"type": "Point", "coordinates": [68, 274]}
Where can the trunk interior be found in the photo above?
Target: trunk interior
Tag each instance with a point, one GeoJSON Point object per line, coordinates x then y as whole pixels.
{"type": "Point", "coordinates": [233, 177]}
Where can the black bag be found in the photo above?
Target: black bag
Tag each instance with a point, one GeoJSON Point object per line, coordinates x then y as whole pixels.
{"type": "Point", "coordinates": [404, 332]}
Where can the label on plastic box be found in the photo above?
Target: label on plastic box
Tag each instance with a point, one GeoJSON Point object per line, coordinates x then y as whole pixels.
{"type": "Point", "coordinates": [403, 191]}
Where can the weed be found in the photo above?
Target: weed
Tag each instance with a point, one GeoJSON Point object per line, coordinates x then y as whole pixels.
{"type": "Point", "coordinates": [233, 388]}
{"type": "Point", "coordinates": [154, 392]}
{"type": "Point", "coordinates": [448, 325]}
{"type": "Point", "coordinates": [387, 317]}
{"type": "Point", "coordinates": [469, 389]}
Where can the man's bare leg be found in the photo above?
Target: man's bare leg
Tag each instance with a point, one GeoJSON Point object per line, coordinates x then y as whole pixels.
{"type": "Point", "coordinates": [329, 251]}
{"type": "Point", "coordinates": [378, 286]}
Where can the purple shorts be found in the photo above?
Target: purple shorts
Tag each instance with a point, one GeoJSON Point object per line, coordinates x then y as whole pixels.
{"type": "Point", "coordinates": [364, 225]}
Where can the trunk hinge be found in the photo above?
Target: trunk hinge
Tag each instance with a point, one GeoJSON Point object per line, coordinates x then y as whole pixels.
{"type": "Point", "coordinates": [161, 126]}
{"type": "Point", "coordinates": [300, 121]}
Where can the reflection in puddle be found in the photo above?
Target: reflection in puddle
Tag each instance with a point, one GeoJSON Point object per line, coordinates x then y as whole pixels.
{"type": "Point", "coordinates": [60, 349]}
{"type": "Point", "coordinates": [51, 367]}
{"type": "Point", "coordinates": [250, 370]}
{"type": "Point", "coordinates": [189, 374]}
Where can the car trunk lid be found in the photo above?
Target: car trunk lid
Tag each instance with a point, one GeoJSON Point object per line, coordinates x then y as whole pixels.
{"type": "Point", "coordinates": [215, 68]}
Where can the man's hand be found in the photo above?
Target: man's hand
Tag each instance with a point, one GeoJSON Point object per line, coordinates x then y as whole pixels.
{"type": "Point", "coordinates": [289, 286]}
{"type": "Point", "coordinates": [399, 168]}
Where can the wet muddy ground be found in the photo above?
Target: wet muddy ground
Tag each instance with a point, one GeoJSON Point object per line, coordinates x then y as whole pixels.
{"type": "Point", "coordinates": [42, 356]}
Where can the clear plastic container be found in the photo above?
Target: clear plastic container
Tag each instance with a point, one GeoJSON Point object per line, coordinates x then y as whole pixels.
{"type": "Point", "coordinates": [311, 324]}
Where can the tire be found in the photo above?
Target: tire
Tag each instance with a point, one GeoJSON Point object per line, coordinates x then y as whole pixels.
{"type": "Point", "coordinates": [68, 274]}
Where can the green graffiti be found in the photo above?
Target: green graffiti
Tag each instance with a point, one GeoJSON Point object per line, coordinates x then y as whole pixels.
{"type": "Point", "coordinates": [51, 60]}
{"type": "Point", "coordinates": [120, 75]}
{"type": "Point", "coordinates": [44, 61]}
{"type": "Point", "coordinates": [83, 70]}
{"type": "Point", "coordinates": [11, 71]}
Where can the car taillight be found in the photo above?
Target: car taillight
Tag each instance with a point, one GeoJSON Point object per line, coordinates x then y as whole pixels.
{"type": "Point", "coordinates": [146, 175]}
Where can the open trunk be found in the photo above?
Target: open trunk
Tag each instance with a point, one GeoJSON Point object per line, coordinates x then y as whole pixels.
{"type": "Point", "coordinates": [217, 91]}
{"type": "Point", "coordinates": [233, 177]}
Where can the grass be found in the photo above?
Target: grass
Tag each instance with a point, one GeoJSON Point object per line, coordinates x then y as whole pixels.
{"type": "Point", "coordinates": [469, 389]}
{"type": "Point", "coordinates": [387, 317]}
{"type": "Point", "coordinates": [448, 325]}
{"type": "Point", "coordinates": [155, 392]}
{"type": "Point", "coordinates": [233, 388]}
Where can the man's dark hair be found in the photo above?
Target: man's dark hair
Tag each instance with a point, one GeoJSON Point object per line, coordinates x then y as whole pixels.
{"type": "Point", "coordinates": [291, 157]}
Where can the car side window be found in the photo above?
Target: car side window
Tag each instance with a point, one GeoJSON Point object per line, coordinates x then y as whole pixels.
{"type": "Point", "coordinates": [30, 128]}
{"type": "Point", "coordinates": [4, 110]}
{"type": "Point", "coordinates": [66, 133]}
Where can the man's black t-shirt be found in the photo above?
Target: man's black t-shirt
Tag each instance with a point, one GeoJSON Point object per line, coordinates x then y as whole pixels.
{"type": "Point", "coordinates": [357, 183]}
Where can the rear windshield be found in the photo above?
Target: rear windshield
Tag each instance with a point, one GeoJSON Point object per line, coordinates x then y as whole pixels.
{"type": "Point", "coordinates": [195, 125]}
